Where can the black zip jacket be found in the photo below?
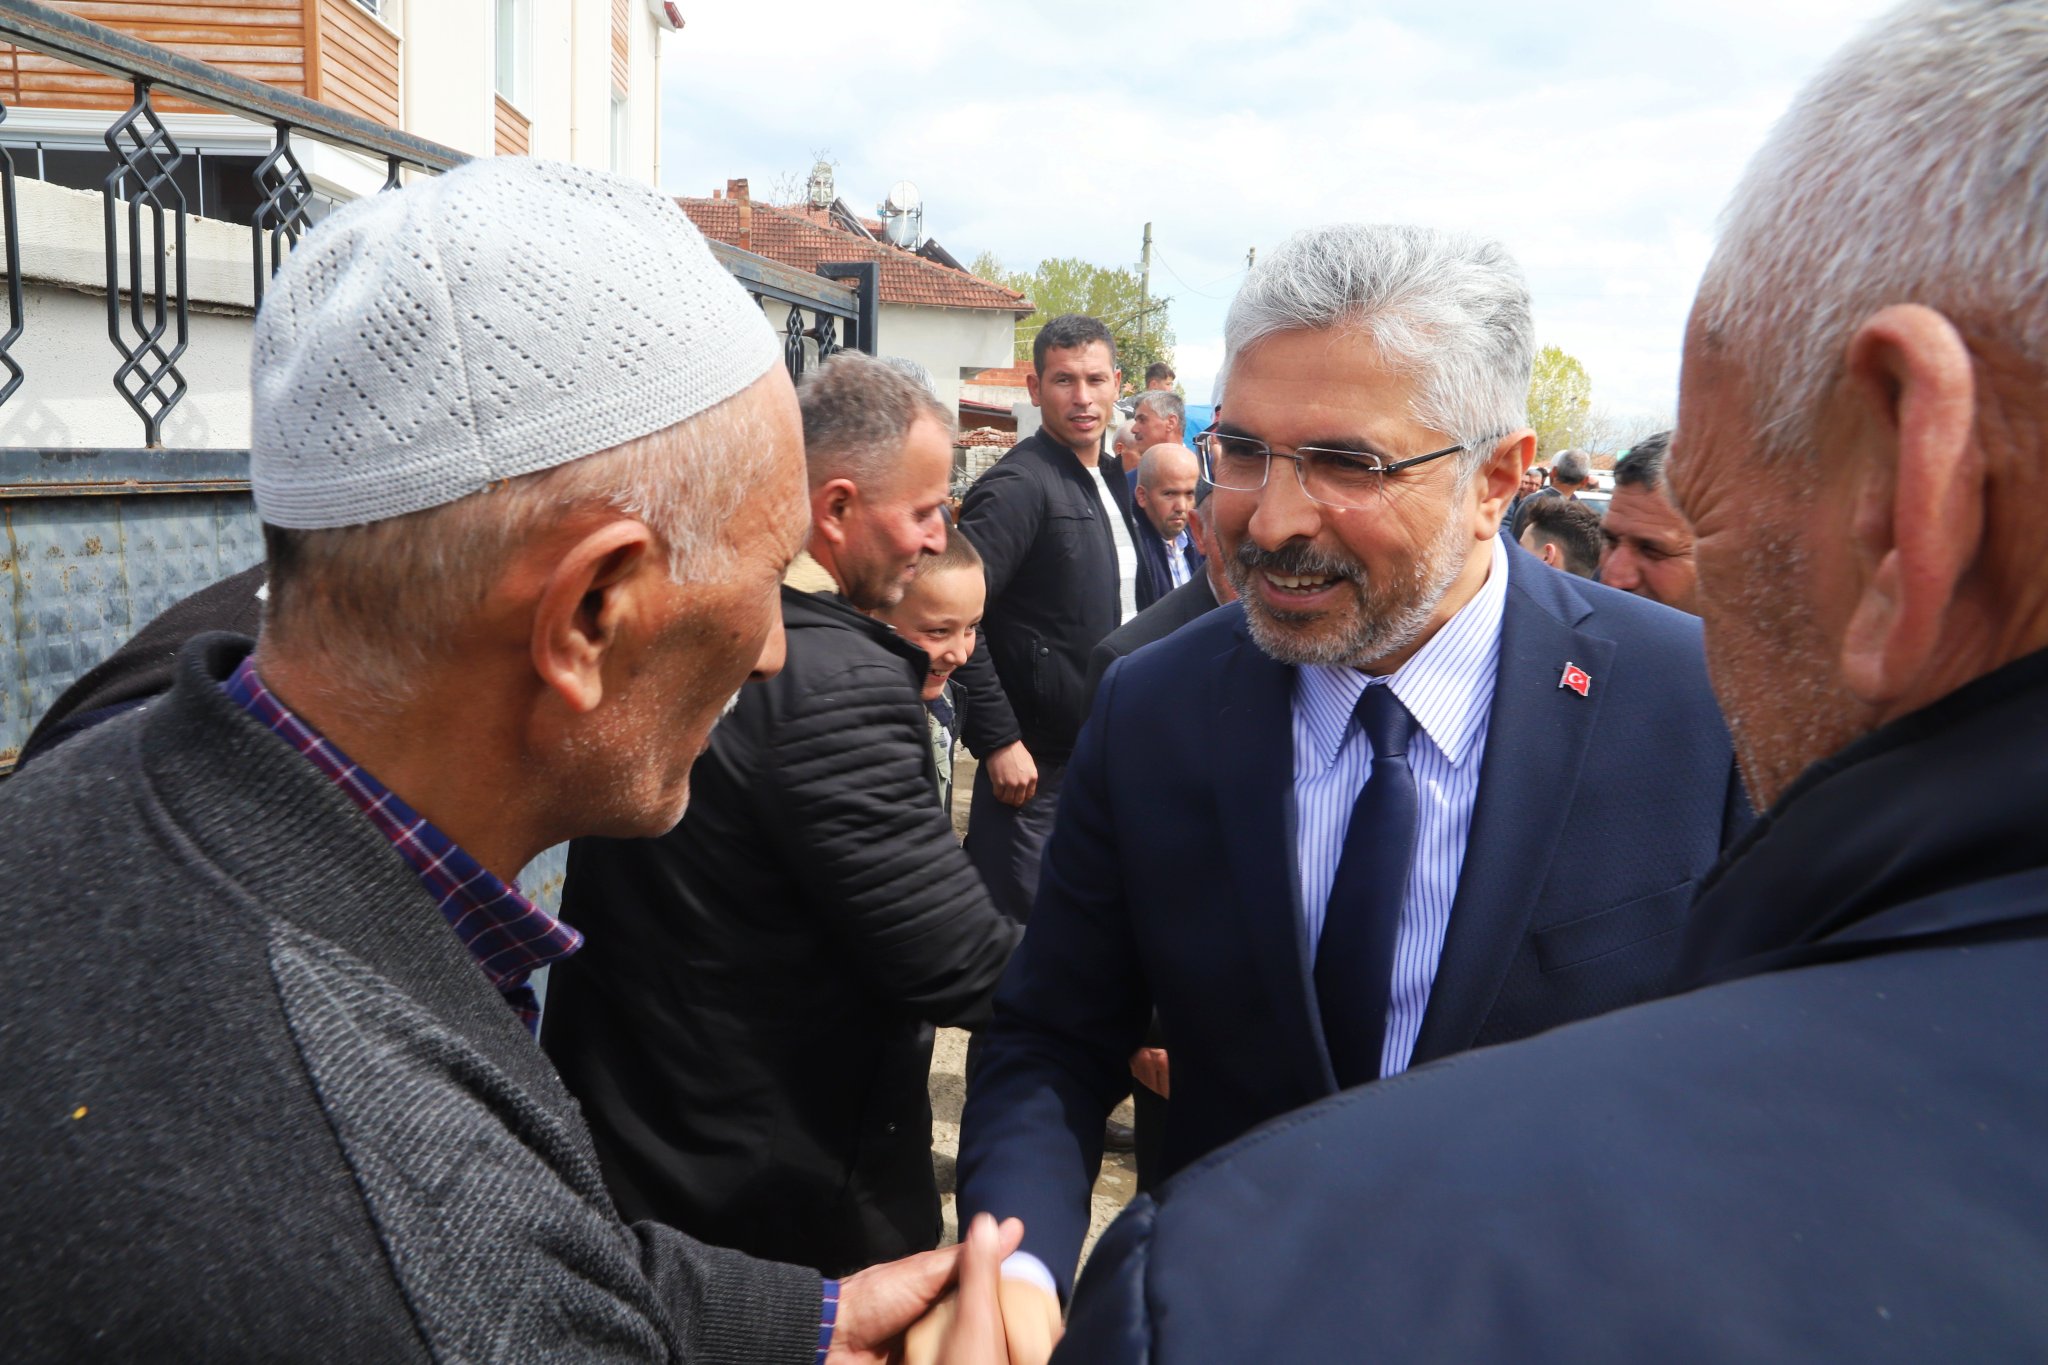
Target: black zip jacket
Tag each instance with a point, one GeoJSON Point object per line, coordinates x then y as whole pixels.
{"type": "Point", "coordinates": [1038, 521]}
{"type": "Point", "coordinates": [746, 1022]}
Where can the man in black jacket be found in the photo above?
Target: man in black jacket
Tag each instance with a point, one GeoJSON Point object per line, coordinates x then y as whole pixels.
{"type": "Point", "coordinates": [1830, 1149]}
{"type": "Point", "coordinates": [1052, 520]}
{"type": "Point", "coordinates": [746, 1025]}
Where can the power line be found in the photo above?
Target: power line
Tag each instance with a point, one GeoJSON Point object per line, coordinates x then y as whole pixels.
{"type": "Point", "coordinates": [1160, 256]}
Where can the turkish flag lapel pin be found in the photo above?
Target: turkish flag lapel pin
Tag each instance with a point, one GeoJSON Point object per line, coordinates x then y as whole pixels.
{"type": "Point", "coordinates": [1577, 679]}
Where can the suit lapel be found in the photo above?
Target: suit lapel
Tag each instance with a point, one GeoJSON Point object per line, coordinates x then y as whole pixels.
{"type": "Point", "coordinates": [1254, 794]}
{"type": "Point", "coordinates": [1536, 738]}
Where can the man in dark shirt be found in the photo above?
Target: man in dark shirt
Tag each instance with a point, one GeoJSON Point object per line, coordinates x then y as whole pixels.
{"type": "Point", "coordinates": [1052, 520]}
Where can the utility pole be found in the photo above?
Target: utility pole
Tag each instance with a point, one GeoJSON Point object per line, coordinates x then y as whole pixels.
{"type": "Point", "coordinates": [1145, 285]}
{"type": "Point", "coordinates": [1251, 258]}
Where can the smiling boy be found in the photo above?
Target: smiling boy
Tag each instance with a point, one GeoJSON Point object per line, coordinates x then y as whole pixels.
{"type": "Point", "coordinates": [941, 614]}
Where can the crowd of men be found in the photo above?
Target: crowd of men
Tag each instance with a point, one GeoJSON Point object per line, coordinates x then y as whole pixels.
{"type": "Point", "coordinates": [1529, 934]}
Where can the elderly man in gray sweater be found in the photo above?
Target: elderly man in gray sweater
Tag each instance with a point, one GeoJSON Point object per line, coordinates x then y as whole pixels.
{"type": "Point", "coordinates": [530, 475]}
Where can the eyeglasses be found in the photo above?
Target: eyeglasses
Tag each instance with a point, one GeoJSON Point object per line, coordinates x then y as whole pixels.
{"type": "Point", "coordinates": [1351, 479]}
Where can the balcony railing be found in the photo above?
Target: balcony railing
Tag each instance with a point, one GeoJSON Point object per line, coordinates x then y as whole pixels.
{"type": "Point", "coordinates": [98, 540]}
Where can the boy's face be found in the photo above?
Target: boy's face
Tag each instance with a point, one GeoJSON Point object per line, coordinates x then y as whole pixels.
{"type": "Point", "coordinates": [940, 613]}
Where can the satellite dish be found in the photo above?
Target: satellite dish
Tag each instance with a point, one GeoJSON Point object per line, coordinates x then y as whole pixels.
{"type": "Point", "coordinates": [903, 198]}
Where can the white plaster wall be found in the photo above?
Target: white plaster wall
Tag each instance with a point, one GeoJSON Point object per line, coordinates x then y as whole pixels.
{"type": "Point", "coordinates": [947, 341]}
{"type": "Point", "coordinates": [67, 397]}
{"type": "Point", "coordinates": [445, 68]}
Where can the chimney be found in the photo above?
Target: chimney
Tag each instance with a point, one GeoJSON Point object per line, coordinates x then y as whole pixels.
{"type": "Point", "coordinates": [736, 190]}
{"type": "Point", "coordinates": [718, 194]}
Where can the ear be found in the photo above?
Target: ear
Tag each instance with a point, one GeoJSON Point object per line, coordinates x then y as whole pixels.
{"type": "Point", "coordinates": [832, 506]}
{"type": "Point", "coordinates": [592, 592]}
{"type": "Point", "coordinates": [1198, 532]}
{"type": "Point", "coordinates": [1908, 422]}
{"type": "Point", "coordinates": [1499, 478]}
{"type": "Point", "coordinates": [1031, 387]}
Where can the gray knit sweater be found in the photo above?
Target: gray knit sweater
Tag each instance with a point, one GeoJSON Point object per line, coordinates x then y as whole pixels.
{"type": "Point", "coordinates": [257, 1102]}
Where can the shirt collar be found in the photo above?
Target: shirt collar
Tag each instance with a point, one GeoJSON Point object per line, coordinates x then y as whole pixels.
{"type": "Point", "coordinates": [1447, 686]}
{"type": "Point", "coordinates": [507, 934]}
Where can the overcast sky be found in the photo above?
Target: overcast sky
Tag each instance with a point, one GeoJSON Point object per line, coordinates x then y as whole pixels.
{"type": "Point", "coordinates": [1597, 138]}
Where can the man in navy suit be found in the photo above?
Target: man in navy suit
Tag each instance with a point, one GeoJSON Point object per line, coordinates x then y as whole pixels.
{"type": "Point", "coordinates": [1831, 1149]}
{"type": "Point", "coordinates": [1168, 556]}
{"type": "Point", "coordinates": [1415, 792]}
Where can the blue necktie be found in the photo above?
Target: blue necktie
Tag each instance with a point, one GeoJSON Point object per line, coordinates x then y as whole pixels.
{"type": "Point", "coordinates": [1355, 958]}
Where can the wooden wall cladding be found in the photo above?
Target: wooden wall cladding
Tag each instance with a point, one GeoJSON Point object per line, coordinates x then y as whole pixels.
{"type": "Point", "coordinates": [514, 132]}
{"type": "Point", "coordinates": [264, 40]}
{"type": "Point", "coordinates": [355, 61]}
{"type": "Point", "coordinates": [328, 50]}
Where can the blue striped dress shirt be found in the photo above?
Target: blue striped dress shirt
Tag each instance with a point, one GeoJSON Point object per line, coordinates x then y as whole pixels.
{"type": "Point", "coordinates": [1448, 687]}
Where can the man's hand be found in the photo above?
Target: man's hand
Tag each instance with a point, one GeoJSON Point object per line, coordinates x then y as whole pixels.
{"type": "Point", "coordinates": [1012, 773]}
{"type": "Point", "coordinates": [966, 1326]}
{"type": "Point", "coordinates": [1148, 1064]}
{"type": "Point", "coordinates": [879, 1304]}
{"type": "Point", "coordinates": [1031, 1322]}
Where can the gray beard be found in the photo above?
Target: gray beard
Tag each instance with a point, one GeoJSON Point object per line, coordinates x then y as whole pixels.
{"type": "Point", "coordinates": [1393, 613]}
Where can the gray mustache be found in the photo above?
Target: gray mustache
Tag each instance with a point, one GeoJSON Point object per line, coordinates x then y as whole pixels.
{"type": "Point", "coordinates": [1296, 559]}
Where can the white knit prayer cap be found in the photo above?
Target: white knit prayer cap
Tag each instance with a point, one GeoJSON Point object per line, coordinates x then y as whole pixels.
{"type": "Point", "coordinates": [506, 317]}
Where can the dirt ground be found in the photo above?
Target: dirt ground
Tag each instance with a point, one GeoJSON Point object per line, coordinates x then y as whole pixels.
{"type": "Point", "coordinates": [1119, 1178]}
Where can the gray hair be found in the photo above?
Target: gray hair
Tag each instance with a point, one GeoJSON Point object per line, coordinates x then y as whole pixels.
{"type": "Point", "coordinates": [1164, 403]}
{"type": "Point", "coordinates": [915, 369]}
{"type": "Point", "coordinates": [857, 413]}
{"type": "Point", "coordinates": [384, 599]}
{"type": "Point", "coordinates": [1448, 308]}
{"type": "Point", "coordinates": [1911, 170]}
{"type": "Point", "coordinates": [1642, 464]}
{"type": "Point", "coordinates": [1571, 466]}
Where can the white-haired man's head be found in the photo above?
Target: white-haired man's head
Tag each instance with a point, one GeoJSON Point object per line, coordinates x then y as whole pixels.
{"type": "Point", "coordinates": [1865, 389]}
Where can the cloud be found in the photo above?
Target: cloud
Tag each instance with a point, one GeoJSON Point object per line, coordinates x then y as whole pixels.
{"type": "Point", "coordinates": [1598, 140]}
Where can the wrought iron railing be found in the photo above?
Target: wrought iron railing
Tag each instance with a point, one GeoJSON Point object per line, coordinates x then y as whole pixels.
{"type": "Point", "coordinates": [68, 609]}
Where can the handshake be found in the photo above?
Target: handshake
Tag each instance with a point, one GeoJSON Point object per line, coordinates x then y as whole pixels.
{"type": "Point", "coordinates": [947, 1307]}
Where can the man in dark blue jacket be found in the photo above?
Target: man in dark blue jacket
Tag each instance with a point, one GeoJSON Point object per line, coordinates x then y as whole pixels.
{"type": "Point", "coordinates": [1169, 476]}
{"type": "Point", "coordinates": [1831, 1149]}
{"type": "Point", "coordinates": [1413, 793]}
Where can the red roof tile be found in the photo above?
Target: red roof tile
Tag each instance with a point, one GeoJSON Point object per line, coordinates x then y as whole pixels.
{"type": "Point", "coordinates": [1011, 377]}
{"type": "Point", "coordinates": [982, 437]}
{"type": "Point", "coordinates": [794, 239]}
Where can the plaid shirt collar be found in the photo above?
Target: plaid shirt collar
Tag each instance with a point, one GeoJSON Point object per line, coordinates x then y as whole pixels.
{"type": "Point", "coordinates": [507, 934]}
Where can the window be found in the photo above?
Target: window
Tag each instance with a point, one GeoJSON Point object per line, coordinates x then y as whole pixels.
{"type": "Point", "coordinates": [621, 133]}
{"type": "Point", "coordinates": [373, 6]}
{"type": "Point", "coordinates": [218, 184]}
{"type": "Point", "coordinates": [511, 40]}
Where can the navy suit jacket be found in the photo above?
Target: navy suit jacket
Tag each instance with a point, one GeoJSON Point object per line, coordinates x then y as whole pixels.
{"type": "Point", "coordinates": [1170, 882]}
{"type": "Point", "coordinates": [1155, 578]}
{"type": "Point", "coordinates": [1829, 1151]}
